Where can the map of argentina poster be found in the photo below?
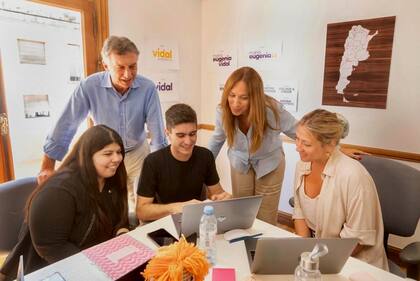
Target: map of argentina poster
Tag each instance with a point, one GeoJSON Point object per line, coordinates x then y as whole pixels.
{"type": "Point", "coordinates": [357, 62]}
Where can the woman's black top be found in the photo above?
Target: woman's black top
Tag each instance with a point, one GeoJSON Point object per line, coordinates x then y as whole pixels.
{"type": "Point", "coordinates": [61, 223]}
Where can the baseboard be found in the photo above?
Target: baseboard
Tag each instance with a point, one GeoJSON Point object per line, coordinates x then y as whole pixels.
{"type": "Point", "coordinates": [285, 219]}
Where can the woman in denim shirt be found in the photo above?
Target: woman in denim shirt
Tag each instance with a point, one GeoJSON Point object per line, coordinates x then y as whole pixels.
{"type": "Point", "coordinates": [251, 122]}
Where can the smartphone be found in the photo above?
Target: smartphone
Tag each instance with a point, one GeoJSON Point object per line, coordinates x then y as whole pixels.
{"type": "Point", "coordinates": [162, 237]}
{"type": "Point", "coordinates": [192, 238]}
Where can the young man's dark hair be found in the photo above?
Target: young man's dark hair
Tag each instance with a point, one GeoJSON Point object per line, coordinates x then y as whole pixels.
{"type": "Point", "coordinates": [178, 114]}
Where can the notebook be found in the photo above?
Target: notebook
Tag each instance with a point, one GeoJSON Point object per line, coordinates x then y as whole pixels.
{"type": "Point", "coordinates": [223, 274]}
{"type": "Point", "coordinates": [119, 256]}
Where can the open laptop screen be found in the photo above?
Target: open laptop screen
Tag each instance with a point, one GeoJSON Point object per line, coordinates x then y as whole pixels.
{"type": "Point", "coordinates": [231, 214]}
{"type": "Point", "coordinates": [281, 255]}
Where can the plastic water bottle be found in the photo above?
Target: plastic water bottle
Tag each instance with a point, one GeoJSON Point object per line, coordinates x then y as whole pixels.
{"type": "Point", "coordinates": [208, 231]}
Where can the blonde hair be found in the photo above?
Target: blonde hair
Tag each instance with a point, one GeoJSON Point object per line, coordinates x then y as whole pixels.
{"type": "Point", "coordinates": [258, 103]}
{"type": "Point", "coordinates": [326, 126]}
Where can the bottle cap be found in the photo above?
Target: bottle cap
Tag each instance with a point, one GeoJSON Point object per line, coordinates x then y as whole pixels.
{"type": "Point", "coordinates": [208, 210]}
{"type": "Point", "coordinates": [308, 263]}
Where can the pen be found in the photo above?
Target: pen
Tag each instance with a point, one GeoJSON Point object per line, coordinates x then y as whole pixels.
{"type": "Point", "coordinates": [245, 237]}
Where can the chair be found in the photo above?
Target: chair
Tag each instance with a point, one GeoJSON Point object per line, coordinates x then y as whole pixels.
{"type": "Point", "coordinates": [133, 221]}
{"type": "Point", "coordinates": [13, 196]}
{"type": "Point", "coordinates": [292, 202]}
{"type": "Point", "coordinates": [398, 187]}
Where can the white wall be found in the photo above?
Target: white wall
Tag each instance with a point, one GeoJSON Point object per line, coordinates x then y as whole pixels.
{"type": "Point", "coordinates": [301, 25]}
{"type": "Point", "coordinates": [177, 20]}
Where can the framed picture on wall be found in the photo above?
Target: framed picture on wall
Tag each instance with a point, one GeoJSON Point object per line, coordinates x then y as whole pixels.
{"type": "Point", "coordinates": [357, 62]}
{"type": "Point", "coordinates": [75, 62]}
{"type": "Point", "coordinates": [36, 106]}
{"type": "Point", "coordinates": [31, 52]}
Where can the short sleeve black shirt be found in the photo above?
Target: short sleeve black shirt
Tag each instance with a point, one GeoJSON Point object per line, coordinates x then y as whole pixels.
{"type": "Point", "coordinates": [169, 180]}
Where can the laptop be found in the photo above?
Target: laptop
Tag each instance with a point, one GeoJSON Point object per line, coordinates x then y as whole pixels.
{"type": "Point", "coordinates": [282, 255]}
{"type": "Point", "coordinates": [231, 214]}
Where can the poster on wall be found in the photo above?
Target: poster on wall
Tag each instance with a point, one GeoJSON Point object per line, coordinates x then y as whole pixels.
{"type": "Point", "coordinates": [75, 60]}
{"type": "Point", "coordinates": [262, 56]}
{"type": "Point", "coordinates": [357, 63]}
{"type": "Point", "coordinates": [224, 59]}
{"type": "Point", "coordinates": [286, 92]}
{"type": "Point", "coordinates": [31, 52]}
{"type": "Point", "coordinates": [167, 84]}
{"type": "Point", "coordinates": [36, 106]}
{"type": "Point", "coordinates": [161, 55]}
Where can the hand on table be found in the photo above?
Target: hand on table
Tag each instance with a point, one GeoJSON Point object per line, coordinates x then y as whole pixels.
{"type": "Point", "coordinates": [221, 196]}
{"type": "Point", "coordinates": [177, 207]}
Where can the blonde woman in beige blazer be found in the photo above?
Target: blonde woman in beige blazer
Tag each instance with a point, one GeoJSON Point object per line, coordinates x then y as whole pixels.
{"type": "Point", "coordinates": [334, 195]}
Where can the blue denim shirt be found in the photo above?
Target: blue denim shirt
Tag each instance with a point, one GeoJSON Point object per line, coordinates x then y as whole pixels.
{"type": "Point", "coordinates": [268, 156]}
{"type": "Point", "coordinates": [127, 114]}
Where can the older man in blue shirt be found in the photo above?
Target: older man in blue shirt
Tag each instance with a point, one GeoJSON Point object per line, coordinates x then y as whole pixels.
{"type": "Point", "coordinates": [119, 98]}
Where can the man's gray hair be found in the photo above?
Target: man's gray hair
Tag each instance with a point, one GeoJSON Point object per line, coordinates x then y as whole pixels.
{"type": "Point", "coordinates": [118, 45]}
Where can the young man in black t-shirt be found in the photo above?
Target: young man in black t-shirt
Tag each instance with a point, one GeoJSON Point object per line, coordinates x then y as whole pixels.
{"type": "Point", "coordinates": [174, 176]}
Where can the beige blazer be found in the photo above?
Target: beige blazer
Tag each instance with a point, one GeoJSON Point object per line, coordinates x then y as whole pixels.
{"type": "Point", "coordinates": [348, 206]}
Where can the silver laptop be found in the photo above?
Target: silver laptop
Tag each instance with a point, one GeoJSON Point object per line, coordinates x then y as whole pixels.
{"type": "Point", "coordinates": [231, 214]}
{"type": "Point", "coordinates": [281, 255]}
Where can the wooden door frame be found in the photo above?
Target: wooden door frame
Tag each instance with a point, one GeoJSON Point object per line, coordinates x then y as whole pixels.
{"type": "Point", "coordinates": [6, 160]}
{"type": "Point", "coordinates": [95, 29]}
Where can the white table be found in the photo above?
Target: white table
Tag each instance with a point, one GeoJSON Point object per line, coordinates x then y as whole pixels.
{"type": "Point", "coordinates": [79, 267]}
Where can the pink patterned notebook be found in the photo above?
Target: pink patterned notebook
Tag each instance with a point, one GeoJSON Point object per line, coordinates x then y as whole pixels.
{"type": "Point", "coordinates": [119, 256]}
